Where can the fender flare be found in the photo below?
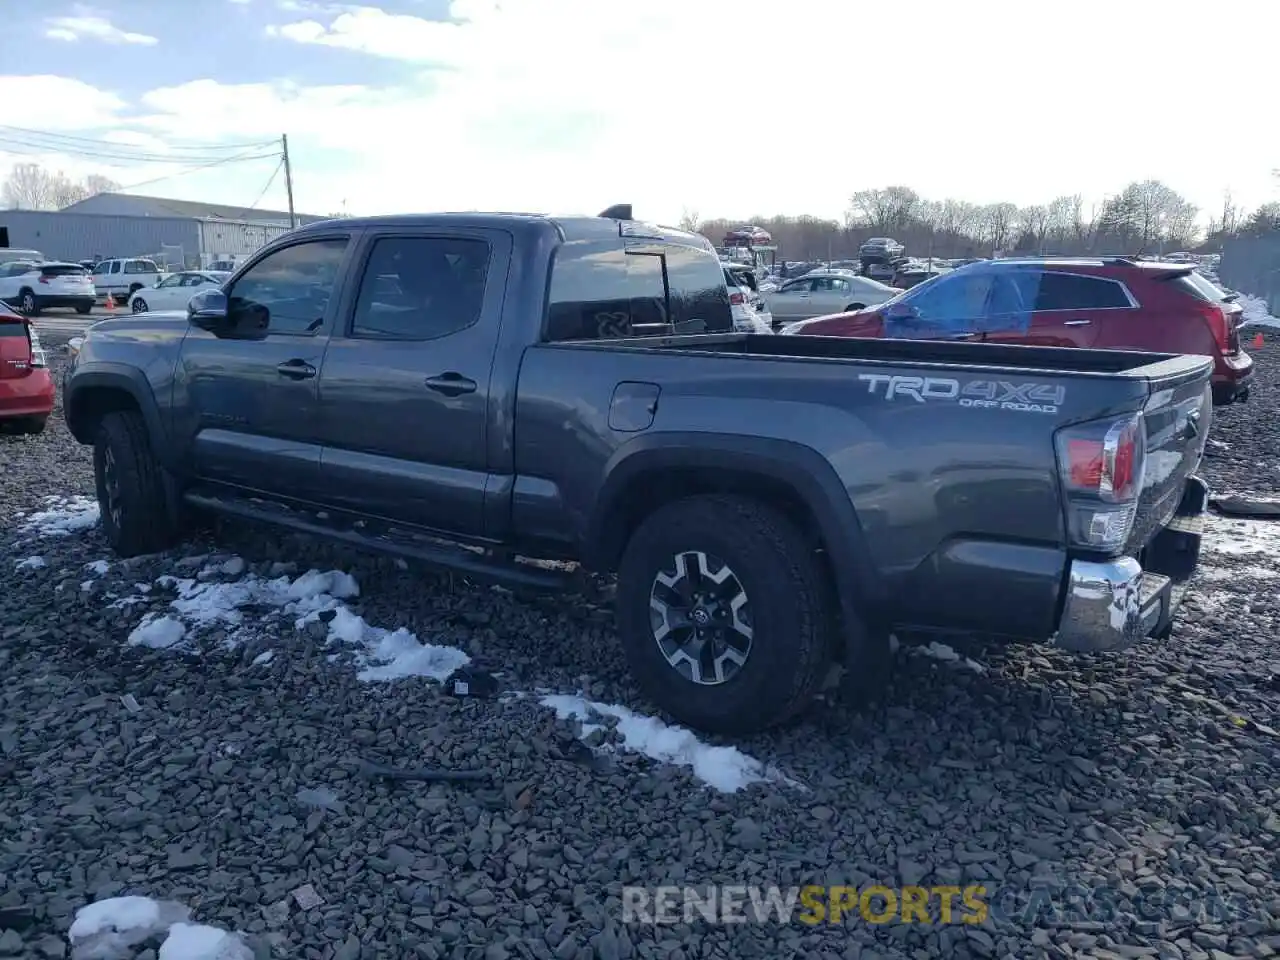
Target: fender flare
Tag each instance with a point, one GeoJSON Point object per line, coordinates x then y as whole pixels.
{"type": "Point", "coordinates": [99, 374]}
{"type": "Point", "coordinates": [799, 467]}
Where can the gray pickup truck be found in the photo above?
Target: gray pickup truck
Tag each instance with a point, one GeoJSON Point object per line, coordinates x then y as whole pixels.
{"type": "Point", "coordinates": [475, 390]}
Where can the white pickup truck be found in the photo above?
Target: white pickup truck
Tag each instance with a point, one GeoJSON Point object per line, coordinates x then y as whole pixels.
{"type": "Point", "coordinates": [121, 277]}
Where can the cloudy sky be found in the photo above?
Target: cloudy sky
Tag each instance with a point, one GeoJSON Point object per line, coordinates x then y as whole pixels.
{"type": "Point", "coordinates": [726, 107]}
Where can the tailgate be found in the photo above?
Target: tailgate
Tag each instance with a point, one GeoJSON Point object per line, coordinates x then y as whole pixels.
{"type": "Point", "coordinates": [15, 346]}
{"type": "Point", "coordinates": [1177, 417]}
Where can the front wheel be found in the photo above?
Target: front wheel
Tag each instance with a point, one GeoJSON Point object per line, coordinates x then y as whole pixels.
{"type": "Point", "coordinates": [139, 305]}
{"type": "Point", "coordinates": [855, 306]}
{"type": "Point", "coordinates": [130, 486]}
{"type": "Point", "coordinates": [723, 614]}
{"type": "Point", "coordinates": [27, 304]}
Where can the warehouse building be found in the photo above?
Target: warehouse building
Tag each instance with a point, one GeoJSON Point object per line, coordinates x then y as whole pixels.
{"type": "Point", "coordinates": [178, 232]}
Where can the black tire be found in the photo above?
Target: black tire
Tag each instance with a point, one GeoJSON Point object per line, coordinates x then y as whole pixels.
{"type": "Point", "coordinates": [855, 306]}
{"type": "Point", "coordinates": [32, 425]}
{"type": "Point", "coordinates": [788, 600]}
{"type": "Point", "coordinates": [135, 514]}
{"type": "Point", "coordinates": [27, 303]}
{"type": "Point", "coordinates": [139, 305]}
{"type": "Point", "coordinates": [84, 308]}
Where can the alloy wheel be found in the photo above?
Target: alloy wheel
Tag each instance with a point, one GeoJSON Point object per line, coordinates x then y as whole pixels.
{"type": "Point", "coordinates": [701, 618]}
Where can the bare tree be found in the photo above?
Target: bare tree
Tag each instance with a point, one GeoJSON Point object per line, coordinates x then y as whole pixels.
{"type": "Point", "coordinates": [689, 220]}
{"type": "Point", "coordinates": [31, 187]}
{"type": "Point", "coordinates": [1034, 223]}
{"type": "Point", "coordinates": [28, 187]}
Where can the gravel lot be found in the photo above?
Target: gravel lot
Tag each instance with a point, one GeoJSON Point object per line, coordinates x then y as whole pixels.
{"type": "Point", "coordinates": [1149, 776]}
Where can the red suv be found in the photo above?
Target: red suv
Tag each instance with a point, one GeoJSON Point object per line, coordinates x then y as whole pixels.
{"type": "Point", "coordinates": [1115, 303]}
{"type": "Point", "coordinates": [26, 388]}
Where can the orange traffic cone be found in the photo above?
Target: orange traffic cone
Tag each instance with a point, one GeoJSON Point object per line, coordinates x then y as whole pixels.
{"type": "Point", "coordinates": [111, 303]}
{"type": "Point", "coordinates": [1257, 342]}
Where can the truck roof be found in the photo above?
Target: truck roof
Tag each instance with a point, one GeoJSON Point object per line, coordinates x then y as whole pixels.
{"type": "Point", "coordinates": [568, 227]}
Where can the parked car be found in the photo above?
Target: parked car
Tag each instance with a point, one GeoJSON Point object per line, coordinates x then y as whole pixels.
{"type": "Point", "coordinates": [26, 388]}
{"type": "Point", "coordinates": [770, 506]}
{"type": "Point", "coordinates": [33, 287]}
{"type": "Point", "coordinates": [1116, 303]}
{"type": "Point", "coordinates": [825, 291]}
{"type": "Point", "coordinates": [173, 292]}
{"type": "Point", "coordinates": [880, 248]}
{"type": "Point", "coordinates": [120, 277]}
{"type": "Point", "coordinates": [9, 254]}
{"type": "Point", "coordinates": [750, 313]}
{"type": "Point", "coordinates": [913, 274]}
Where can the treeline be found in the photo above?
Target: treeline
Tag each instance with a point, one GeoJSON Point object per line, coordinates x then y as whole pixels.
{"type": "Point", "coordinates": [1143, 218]}
{"type": "Point", "coordinates": [30, 186]}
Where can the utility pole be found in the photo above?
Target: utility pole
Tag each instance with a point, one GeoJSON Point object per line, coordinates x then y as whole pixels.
{"type": "Point", "coordinates": [288, 179]}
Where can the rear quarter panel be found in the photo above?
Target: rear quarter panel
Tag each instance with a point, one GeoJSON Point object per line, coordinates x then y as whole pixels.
{"type": "Point", "coordinates": [924, 470]}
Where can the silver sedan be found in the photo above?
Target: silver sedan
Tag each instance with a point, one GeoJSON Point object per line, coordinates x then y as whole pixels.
{"type": "Point", "coordinates": [823, 292]}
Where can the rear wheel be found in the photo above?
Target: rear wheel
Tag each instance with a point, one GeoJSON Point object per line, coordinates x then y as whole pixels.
{"type": "Point", "coordinates": [130, 485]}
{"type": "Point", "coordinates": [855, 306]}
{"type": "Point", "coordinates": [84, 308]}
{"type": "Point", "coordinates": [27, 303]}
{"type": "Point", "coordinates": [139, 305]}
{"type": "Point", "coordinates": [723, 614]}
{"type": "Point", "coordinates": [32, 425]}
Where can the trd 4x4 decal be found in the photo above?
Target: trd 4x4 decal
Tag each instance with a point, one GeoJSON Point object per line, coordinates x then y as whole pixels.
{"type": "Point", "coordinates": [1022, 396]}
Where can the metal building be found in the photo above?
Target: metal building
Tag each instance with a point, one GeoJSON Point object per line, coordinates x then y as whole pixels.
{"type": "Point", "coordinates": [181, 232]}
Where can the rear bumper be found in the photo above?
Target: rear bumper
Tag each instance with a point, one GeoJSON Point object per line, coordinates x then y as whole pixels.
{"type": "Point", "coordinates": [29, 396]}
{"type": "Point", "coordinates": [1231, 378]}
{"type": "Point", "coordinates": [1112, 605]}
{"type": "Point", "coordinates": [66, 300]}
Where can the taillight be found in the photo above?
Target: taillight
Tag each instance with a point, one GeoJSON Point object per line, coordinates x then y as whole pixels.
{"type": "Point", "coordinates": [1101, 465]}
{"type": "Point", "coordinates": [1220, 325]}
{"type": "Point", "coordinates": [43, 278]}
{"type": "Point", "coordinates": [38, 358]}
{"type": "Point", "coordinates": [737, 299]}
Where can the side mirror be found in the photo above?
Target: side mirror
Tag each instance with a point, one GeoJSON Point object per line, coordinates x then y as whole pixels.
{"type": "Point", "coordinates": [208, 310]}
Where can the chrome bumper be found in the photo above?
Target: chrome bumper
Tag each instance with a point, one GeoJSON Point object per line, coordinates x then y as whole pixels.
{"type": "Point", "coordinates": [1113, 604]}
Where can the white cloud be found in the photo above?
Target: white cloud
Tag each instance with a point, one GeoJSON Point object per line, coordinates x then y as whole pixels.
{"type": "Point", "coordinates": [85, 24]}
{"type": "Point", "coordinates": [755, 107]}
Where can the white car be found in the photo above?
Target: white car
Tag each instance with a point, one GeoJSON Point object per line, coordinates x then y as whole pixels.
{"type": "Point", "coordinates": [750, 315]}
{"type": "Point", "coordinates": [121, 276]}
{"type": "Point", "coordinates": [32, 287]}
{"type": "Point", "coordinates": [175, 291]}
{"type": "Point", "coordinates": [826, 291]}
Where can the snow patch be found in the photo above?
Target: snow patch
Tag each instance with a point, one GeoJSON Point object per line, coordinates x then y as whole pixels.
{"type": "Point", "coordinates": [945, 654]}
{"type": "Point", "coordinates": [1256, 312]}
{"type": "Point", "coordinates": [98, 567]}
{"type": "Point", "coordinates": [727, 769]}
{"type": "Point", "coordinates": [262, 659]}
{"type": "Point", "coordinates": [62, 516]}
{"type": "Point", "coordinates": [204, 601]}
{"type": "Point", "coordinates": [106, 930]}
{"type": "Point", "coordinates": [194, 941]}
{"type": "Point", "coordinates": [1241, 538]}
{"type": "Point", "coordinates": [158, 633]}
{"type": "Point", "coordinates": [390, 654]}
{"type": "Point", "coordinates": [31, 563]}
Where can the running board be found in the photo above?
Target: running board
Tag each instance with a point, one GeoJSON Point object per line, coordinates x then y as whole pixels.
{"type": "Point", "coordinates": [378, 537]}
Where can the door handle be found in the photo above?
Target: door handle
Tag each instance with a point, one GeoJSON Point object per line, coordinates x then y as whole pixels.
{"type": "Point", "coordinates": [963, 336]}
{"type": "Point", "coordinates": [296, 370]}
{"type": "Point", "coordinates": [451, 384]}
{"type": "Point", "coordinates": [1077, 323]}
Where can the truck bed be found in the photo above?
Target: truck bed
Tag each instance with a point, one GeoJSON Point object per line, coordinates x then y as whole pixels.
{"type": "Point", "coordinates": [921, 353]}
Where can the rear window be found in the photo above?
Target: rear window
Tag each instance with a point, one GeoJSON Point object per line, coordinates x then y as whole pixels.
{"type": "Point", "coordinates": [740, 277]}
{"type": "Point", "coordinates": [140, 266]}
{"type": "Point", "coordinates": [1200, 287]}
{"type": "Point", "coordinates": [1070, 291]}
{"type": "Point", "coordinates": [63, 270]}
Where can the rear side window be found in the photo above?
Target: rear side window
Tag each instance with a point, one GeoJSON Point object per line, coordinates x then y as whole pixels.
{"type": "Point", "coordinates": [421, 288]}
{"type": "Point", "coordinates": [1201, 287]}
{"type": "Point", "coordinates": [599, 292]}
{"type": "Point", "coordinates": [1069, 291]}
{"type": "Point", "coordinates": [140, 266]}
{"type": "Point", "coordinates": [63, 271]}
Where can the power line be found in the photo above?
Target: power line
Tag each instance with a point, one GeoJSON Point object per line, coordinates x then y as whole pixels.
{"type": "Point", "coordinates": [270, 180]}
{"type": "Point", "coordinates": [196, 169]}
{"type": "Point", "coordinates": [176, 145]}
{"type": "Point", "coordinates": [118, 156]}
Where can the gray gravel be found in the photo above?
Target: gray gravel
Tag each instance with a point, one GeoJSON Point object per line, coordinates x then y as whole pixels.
{"type": "Point", "coordinates": [1150, 776]}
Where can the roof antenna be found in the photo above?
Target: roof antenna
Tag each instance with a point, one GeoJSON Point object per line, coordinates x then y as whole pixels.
{"type": "Point", "coordinates": [619, 211]}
